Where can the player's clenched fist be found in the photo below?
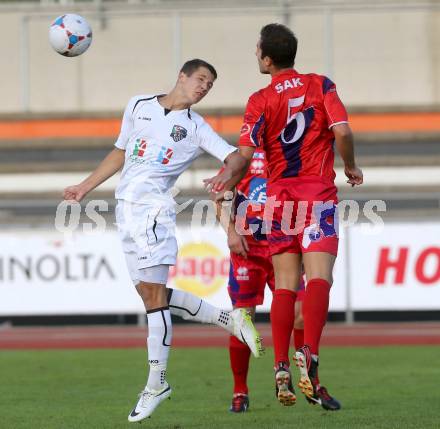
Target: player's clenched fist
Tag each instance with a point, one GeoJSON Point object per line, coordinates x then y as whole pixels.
{"type": "Point", "coordinates": [75, 193]}
{"type": "Point", "coordinates": [237, 244]}
{"type": "Point", "coordinates": [355, 176]}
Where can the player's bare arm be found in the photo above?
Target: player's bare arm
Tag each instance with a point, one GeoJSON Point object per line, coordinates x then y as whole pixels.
{"type": "Point", "coordinates": [237, 243]}
{"type": "Point", "coordinates": [224, 202]}
{"type": "Point", "coordinates": [236, 165]}
{"type": "Point", "coordinates": [345, 147]}
{"type": "Point", "coordinates": [112, 163]}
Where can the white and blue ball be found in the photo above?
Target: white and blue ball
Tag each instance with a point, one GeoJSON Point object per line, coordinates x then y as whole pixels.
{"type": "Point", "coordinates": [70, 35]}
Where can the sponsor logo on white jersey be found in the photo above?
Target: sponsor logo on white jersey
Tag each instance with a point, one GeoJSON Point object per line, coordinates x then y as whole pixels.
{"type": "Point", "coordinates": [139, 153]}
{"type": "Point", "coordinates": [139, 149]}
{"type": "Point", "coordinates": [165, 155]}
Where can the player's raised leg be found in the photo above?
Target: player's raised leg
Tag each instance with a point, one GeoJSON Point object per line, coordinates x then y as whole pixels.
{"type": "Point", "coordinates": [159, 338]}
{"type": "Point", "coordinates": [287, 267]}
{"type": "Point", "coordinates": [318, 267]}
{"type": "Point", "coordinates": [237, 322]}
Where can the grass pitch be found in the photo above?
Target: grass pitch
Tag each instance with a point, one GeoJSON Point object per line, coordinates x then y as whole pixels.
{"type": "Point", "coordinates": [382, 387]}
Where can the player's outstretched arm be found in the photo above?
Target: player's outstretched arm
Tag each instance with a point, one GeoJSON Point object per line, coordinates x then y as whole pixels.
{"type": "Point", "coordinates": [345, 148]}
{"type": "Point", "coordinates": [112, 163]}
{"type": "Point", "coordinates": [236, 165]}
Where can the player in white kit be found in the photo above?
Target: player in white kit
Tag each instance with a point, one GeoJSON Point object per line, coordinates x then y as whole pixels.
{"type": "Point", "coordinates": [160, 137]}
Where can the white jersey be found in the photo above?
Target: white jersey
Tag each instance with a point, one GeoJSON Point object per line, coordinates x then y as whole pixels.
{"type": "Point", "coordinates": [159, 145]}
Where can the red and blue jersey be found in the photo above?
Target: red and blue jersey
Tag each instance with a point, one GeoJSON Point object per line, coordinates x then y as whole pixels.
{"type": "Point", "coordinates": [251, 196]}
{"type": "Point", "coordinates": [291, 120]}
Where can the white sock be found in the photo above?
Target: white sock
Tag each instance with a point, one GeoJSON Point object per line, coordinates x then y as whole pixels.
{"type": "Point", "coordinates": [191, 307]}
{"type": "Point", "coordinates": [160, 333]}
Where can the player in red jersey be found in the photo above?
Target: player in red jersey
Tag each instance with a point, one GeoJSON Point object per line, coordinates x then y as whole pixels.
{"type": "Point", "coordinates": [251, 267]}
{"type": "Point", "coordinates": [297, 119]}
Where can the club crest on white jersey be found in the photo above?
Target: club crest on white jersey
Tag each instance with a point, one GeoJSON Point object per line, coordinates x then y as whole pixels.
{"type": "Point", "coordinates": [178, 133]}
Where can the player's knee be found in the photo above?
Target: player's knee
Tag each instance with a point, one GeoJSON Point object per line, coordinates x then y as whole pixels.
{"type": "Point", "coordinates": [153, 296]}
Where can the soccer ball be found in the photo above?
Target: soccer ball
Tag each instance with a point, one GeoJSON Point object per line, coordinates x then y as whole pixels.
{"type": "Point", "coordinates": [70, 35]}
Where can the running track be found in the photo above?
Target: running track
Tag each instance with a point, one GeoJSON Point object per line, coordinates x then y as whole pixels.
{"type": "Point", "coordinates": [193, 335]}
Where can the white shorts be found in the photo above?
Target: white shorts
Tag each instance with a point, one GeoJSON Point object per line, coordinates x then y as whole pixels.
{"type": "Point", "coordinates": [147, 233]}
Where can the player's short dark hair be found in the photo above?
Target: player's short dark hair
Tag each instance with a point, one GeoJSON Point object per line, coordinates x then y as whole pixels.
{"type": "Point", "coordinates": [279, 44]}
{"type": "Point", "coordinates": [193, 65]}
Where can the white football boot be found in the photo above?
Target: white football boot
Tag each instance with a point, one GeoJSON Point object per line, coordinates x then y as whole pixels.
{"type": "Point", "coordinates": [243, 328]}
{"type": "Point", "coordinates": [148, 402]}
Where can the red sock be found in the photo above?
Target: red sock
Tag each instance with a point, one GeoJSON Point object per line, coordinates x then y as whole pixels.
{"type": "Point", "coordinates": [239, 355]}
{"type": "Point", "coordinates": [298, 338]}
{"type": "Point", "coordinates": [315, 309]}
{"type": "Point", "coordinates": [282, 316]}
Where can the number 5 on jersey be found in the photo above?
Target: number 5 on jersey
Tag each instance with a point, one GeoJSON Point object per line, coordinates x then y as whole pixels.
{"type": "Point", "coordinates": [297, 121]}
